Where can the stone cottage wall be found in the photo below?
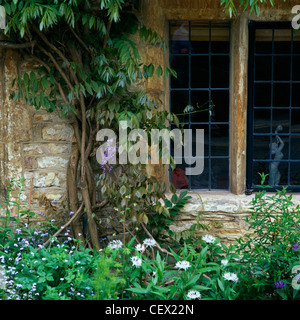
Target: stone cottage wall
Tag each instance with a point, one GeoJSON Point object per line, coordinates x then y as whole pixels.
{"type": "Point", "coordinates": [35, 145]}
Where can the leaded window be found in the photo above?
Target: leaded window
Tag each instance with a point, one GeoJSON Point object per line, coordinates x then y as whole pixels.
{"type": "Point", "coordinates": [200, 54]}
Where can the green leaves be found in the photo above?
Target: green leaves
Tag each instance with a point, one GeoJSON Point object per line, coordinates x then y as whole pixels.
{"type": "Point", "coordinates": [152, 38]}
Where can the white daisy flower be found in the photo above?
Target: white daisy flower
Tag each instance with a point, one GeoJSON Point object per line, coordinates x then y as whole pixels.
{"type": "Point", "coordinates": [231, 276]}
{"type": "Point", "coordinates": [209, 239]}
{"type": "Point", "coordinates": [193, 294]}
{"type": "Point", "coordinates": [182, 265]}
{"type": "Point", "coordinates": [136, 261]}
{"type": "Point", "coordinates": [150, 242]}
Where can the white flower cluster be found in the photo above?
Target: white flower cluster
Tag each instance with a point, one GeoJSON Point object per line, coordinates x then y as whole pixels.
{"type": "Point", "coordinates": [231, 276]}
{"type": "Point", "coordinates": [115, 244]}
{"type": "Point", "coordinates": [209, 239]}
{"type": "Point", "coordinates": [193, 294]}
{"type": "Point", "coordinates": [149, 242]}
{"type": "Point", "coordinates": [146, 243]}
{"type": "Point", "coordinates": [183, 265]}
{"type": "Point", "coordinates": [140, 247]}
{"type": "Point", "coordinates": [136, 261]}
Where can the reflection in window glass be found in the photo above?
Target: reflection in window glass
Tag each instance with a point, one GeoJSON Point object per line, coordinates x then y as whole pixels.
{"type": "Point", "coordinates": [274, 106]}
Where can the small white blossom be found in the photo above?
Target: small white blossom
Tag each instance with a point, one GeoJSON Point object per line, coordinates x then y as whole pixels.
{"type": "Point", "coordinates": [224, 262]}
{"type": "Point", "coordinates": [150, 242]}
{"type": "Point", "coordinates": [182, 265]}
{"type": "Point", "coordinates": [140, 247]}
{"type": "Point", "coordinates": [231, 277]}
{"type": "Point", "coordinates": [115, 244]}
{"type": "Point", "coordinates": [136, 261]}
{"type": "Point", "coordinates": [193, 294]}
{"type": "Point", "coordinates": [209, 239]}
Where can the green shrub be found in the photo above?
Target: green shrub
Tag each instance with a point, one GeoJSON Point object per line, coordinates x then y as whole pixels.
{"type": "Point", "coordinates": [271, 251]}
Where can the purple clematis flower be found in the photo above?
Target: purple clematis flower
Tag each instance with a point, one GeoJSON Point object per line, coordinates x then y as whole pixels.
{"type": "Point", "coordinates": [296, 246]}
{"type": "Point", "coordinates": [280, 285]}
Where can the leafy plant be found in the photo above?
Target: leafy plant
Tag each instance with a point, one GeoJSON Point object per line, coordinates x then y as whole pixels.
{"type": "Point", "coordinates": [271, 250]}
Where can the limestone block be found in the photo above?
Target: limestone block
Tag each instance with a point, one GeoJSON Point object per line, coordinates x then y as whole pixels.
{"type": "Point", "coordinates": [33, 149]}
{"type": "Point", "coordinates": [47, 117]}
{"type": "Point", "coordinates": [42, 179]}
{"type": "Point", "coordinates": [19, 124]}
{"type": "Point", "coordinates": [50, 193]}
{"type": "Point", "coordinates": [52, 162]}
{"type": "Point", "coordinates": [57, 133]}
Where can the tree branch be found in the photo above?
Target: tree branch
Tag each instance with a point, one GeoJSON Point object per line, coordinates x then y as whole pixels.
{"type": "Point", "coordinates": [10, 45]}
{"type": "Point", "coordinates": [59, 69]}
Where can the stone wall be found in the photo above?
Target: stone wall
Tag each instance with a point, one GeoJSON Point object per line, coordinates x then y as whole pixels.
{"type": "Point", "coordinates": [35, 145]}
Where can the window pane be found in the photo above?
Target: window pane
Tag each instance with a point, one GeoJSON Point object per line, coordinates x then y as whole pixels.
{"type": "Point", "coordinates": [262, 121]}
{"type": "Point", "coordinates": [278, 174]}
{"type": "Point", "coordinates": [277, 171]}
{"type": "Point", "coordinates": [178, 177]}
{"type": "Point", "coordinates": [220, 103]}
{"type": "Point", "coordinates": [282, 68]}
{"type": "Point", "coordinates": [296, 68]}
{"type": "Point", "coordinates": [206, 138]}
{"type": "Point", "coordinates": [280, 147]}
{"type": "Point", "coordinates": [295, 147]}
{"type": "Point", "coordinates": [219, 71]}
{"type": "Point", "coordinates": [262, 95]}
{"type": "Point", "coordinates": [261, 147]}
{"type": "Point", "coordinates": [281, 121]}
{"type": "Point", "coordinates": [296, 95]}
{"type": "Point", "coordinates": [220, 140]}
{"type": "Point", "coordinates": [281, 95]}
{"type": "Point", "coordinates": [181, 65]}
{"type": "Point", "coordinates": [295, 121]}
{"type": "Point", "coordinates": [179, 100]}
{"type": "Point", "coordinates": [263, 68]}
{"type": "Point", "coordinates": [200, 101]}
{"type": "Point", "coordinates": [259, 167]}
{"type": "Point", "coordinates": [295, 174]}
{"type": "Point", "coordinates": [180, 37]}
{"type": "Point", "coordinates": [200, 72]}
{"type": "Point", "coordinates": [200, 37]}
{"type": "Point", "coordinates": [201, 181]}
{"type": "Point", "coordinates": [264, 41]}
{"type": "Point", "coordinates": [220, 36]}
{"type": "Point", "coordinates": [282, 41]}
{"type": "Point", "coordinates": [219, 172]}
{"type": "Point", "coordinates": [296, 42]}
